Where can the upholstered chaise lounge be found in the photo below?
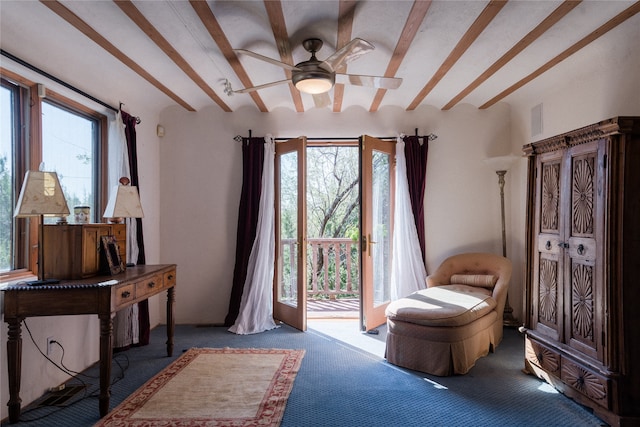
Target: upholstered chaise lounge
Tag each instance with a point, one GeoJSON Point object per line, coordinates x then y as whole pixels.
{"type": "Point", "coordinates": [443, 329]}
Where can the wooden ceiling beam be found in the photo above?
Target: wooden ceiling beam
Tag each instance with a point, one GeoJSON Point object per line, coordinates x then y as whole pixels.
{"type": "Point", "coordinates": [92, 34]}
{"type": "Point", "coordinates": [147, 27]}
{"type": "Point", "coordinates": [559, 13]}
{"type": "Point", "coordinates": [279, 28]}
{"type": "Point", "coordinates": [346, 13]}
{"type": "Point", "coordinates": [411, 27]}
{"type": "Point", "coordinates": [482, 21]}
{"type": "Point", "coordinates": [215, 31]}
{"type": "Point", "coordinates": [600, 31]}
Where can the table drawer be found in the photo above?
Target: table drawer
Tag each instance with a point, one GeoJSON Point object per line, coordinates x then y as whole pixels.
{"type": "Point", "coordinates": [149, 286]}
{"type": "Point", "coordinates": [125, 294]}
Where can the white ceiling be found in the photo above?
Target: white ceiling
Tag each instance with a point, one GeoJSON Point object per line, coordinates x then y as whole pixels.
{"type": "Point", "coordinates": [101, 47]}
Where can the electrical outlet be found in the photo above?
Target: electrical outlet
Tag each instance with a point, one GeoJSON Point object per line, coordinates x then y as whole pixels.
{"type": "Point", "coordinates": [50, 342]}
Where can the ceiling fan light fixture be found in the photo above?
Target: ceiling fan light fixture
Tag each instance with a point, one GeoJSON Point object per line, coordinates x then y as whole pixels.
{"type": "Point", "coordinates": [313, 82]}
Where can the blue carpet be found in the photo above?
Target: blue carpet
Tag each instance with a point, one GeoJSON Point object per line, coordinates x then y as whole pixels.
{"type": "Point", "coordinates": [341, 385]}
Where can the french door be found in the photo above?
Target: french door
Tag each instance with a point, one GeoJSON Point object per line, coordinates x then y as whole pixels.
{"type": "Point", "coordinates": [290, 278]}
{"type": "Point", "coordinates": [377, 183]}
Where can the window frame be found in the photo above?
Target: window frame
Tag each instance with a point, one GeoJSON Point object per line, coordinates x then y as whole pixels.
{"type": "Point", "coordinates": [28, 156]}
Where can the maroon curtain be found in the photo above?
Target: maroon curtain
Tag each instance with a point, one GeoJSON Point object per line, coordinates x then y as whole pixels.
{"type": "Point", "coordinates": [415, 152]}
{"type": "Point", "coordinates": [130, 135]}
{"type": "Point", "coordinates": [252, 165]}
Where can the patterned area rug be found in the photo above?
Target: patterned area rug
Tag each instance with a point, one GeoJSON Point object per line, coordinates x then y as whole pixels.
{"type": "Point", "coordinates": [214, 387]}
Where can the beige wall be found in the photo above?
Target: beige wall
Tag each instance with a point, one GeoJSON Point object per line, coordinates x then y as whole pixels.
{"type": "Point", "coordinates": [199, 219]}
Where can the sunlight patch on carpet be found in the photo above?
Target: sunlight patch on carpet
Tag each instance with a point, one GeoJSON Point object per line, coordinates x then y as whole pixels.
{"type": "Point", "coordinates": [214, 387]}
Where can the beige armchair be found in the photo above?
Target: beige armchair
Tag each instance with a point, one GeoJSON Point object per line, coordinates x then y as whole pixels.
{"type": "Point", "coordinates": [445, 328]}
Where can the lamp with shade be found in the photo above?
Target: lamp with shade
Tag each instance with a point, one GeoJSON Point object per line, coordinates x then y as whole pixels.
{"type": "Point", "coordinates": [501, 165]}
{"type": "Point", "coordinates": [124, 202]}
{"type": "Point", "coordinates": [41, 195]}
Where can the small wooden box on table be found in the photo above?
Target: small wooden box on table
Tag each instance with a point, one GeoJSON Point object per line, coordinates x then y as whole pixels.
{"type": "Point", "coordinates": [101, 295]}
{"type": "Point", "coordinates": [73, 251]}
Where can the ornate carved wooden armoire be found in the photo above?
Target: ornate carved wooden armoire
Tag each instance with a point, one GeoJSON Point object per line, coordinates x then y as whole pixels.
{"type": "Point", "coordinates": [582, 320]}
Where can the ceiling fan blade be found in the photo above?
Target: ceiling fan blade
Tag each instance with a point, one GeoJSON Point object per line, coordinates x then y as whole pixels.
{"type": "Point", "coordinates": [373, 81]}
{"type": "Point", "coordinates": [351, 51]}
{"type": "Point", "coordinates": [264, 86]}
{"type": "Point", "coordinates": [266, 59]}
{"type": "Point", "coordinates": [321, 100]}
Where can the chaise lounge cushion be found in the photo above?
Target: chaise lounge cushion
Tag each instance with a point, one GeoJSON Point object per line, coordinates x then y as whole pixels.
{"type": "Point", "coordinates": [483, 280]}
{"type": "Point", "coordinates": [448, 305]}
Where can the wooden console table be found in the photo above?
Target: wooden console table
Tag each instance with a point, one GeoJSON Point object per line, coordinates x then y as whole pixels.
{"type": "Point", "coordinates": [101, 295]}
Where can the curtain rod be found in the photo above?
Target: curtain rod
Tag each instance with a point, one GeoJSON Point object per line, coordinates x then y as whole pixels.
{"type": "Point", "coordinates": [430, 137]}
{"type": "Point", "coordinates": [59, 81]}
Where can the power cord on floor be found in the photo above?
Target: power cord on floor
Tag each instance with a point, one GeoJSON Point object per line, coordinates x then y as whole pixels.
{"type": "Point", "coordinates": [93, 394]}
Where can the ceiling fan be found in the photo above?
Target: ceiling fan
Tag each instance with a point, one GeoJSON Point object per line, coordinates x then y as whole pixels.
{"type": "Point", "coordinates": [318, 77]}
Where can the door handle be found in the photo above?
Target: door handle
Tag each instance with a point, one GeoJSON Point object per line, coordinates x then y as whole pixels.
{"type": "Point", "coordinates": [371, 242]}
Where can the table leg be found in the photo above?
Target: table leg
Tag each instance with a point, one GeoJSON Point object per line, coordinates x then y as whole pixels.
{"type": "Point", "coordinates": [106, 354]}
{"type": "Point", "coordinates": [14, 363]}
{"type": "Point", "coordinates": [171, 294]}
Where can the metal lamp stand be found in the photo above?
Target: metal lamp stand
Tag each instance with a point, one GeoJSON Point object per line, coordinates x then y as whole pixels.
{"type": "Point", "coordinates": [507, 317]}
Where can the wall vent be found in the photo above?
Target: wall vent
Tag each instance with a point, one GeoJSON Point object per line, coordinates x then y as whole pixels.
{"type": "Point", "coordinates": [536, 120]}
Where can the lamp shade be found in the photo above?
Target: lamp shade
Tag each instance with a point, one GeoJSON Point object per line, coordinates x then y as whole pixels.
{"type": "Point", "coordinates": [312, 79]}
{"type": "Point", "coordinates": [41, 194]}
{"type": "Point", "coordinates": [501, 163]}
{"type": "Point", "coordinates": [314, 86]}
{"type": "Point", "coordinates": [124, 202]}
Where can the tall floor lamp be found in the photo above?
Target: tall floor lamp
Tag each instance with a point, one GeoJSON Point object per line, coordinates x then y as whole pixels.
{"type": "Point", "coordinates": [501, 165]}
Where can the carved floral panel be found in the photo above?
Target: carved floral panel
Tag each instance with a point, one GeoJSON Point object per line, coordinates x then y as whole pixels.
{"type": "Point", "coordinates": [542, 357]}
{"type": "Point", "coordinates": [550, 196]}
{"type": "Point", "coordinates": [548, 291]}
{"type": "Point", "coordinates": [582, 206]}
{"type": "Point", "coordinates": [584, 381]}
{"type": "Point", "coordinates": [582, 301]}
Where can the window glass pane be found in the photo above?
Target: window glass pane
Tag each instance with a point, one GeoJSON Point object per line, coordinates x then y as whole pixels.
{"type": "Point", "coordinates": [68, 148]}
{"type": "Point", "coordinates": [6, 173]}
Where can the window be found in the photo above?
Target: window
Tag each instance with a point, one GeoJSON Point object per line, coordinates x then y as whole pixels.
{"type": "Point", "coordinates": [9, 113]}
{"type": "Point", "coordinates": [12, 136]}
{"type": "Point", "coordinates": [70, 148]}
{"type": "Point", "coordinates": [68, 138]}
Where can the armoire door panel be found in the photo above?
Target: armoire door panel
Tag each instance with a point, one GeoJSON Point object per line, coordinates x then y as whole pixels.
{"type": "Point", "coordinates": [583, 294]}
{"type": "Point", "coordinates": [550, 195]}
{"type": "Point", "coordinates": [549, 296]}
{"type": "Point", "coordinates": [548, 263]}
{"type": "Point", "coordinates": [582, 331]}
{"type": "Point", "coordinates": [583, 197]}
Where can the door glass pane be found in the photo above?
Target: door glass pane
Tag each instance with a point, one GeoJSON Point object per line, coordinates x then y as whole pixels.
{"type": "Point", "coordinates": [381, 238]}
{"type": "Point", "coordinates": [68, 148]}
{"type": "Point", "coordinates": [288, 238]}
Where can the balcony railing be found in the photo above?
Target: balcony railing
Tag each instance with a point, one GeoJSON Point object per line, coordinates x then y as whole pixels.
{"type": "Point", "coordinates": [332, 268]}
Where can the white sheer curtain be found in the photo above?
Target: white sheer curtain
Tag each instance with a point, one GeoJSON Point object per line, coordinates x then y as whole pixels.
{"type": "Point", "coordinates": [256, 306]}
{"type": "Point", "coordinates": [125, 323]}
{"type": "Point", "coordinates": [408, 273]}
